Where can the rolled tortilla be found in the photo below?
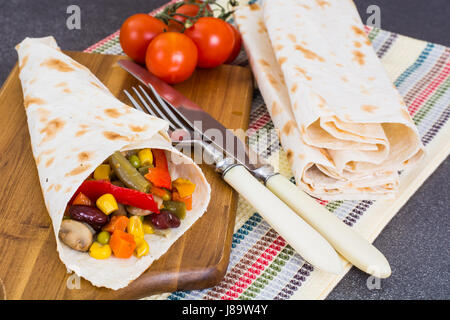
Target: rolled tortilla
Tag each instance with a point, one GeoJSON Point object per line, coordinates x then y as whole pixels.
{"type": "Point", "coordinates": [75, 123]}
{"type": "Point", "coordinates": [344, 126]}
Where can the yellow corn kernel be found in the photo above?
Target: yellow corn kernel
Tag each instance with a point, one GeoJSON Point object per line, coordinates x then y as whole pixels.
{"type": "Point", "coordinates": [102, 172]}
{"type": "Point", "coordinates": [135, 228]}
{"type": "Point", "coordinates": [100, 251]}
{"type": "Point", "coordinates": [107, 203]}
{"type": "Point", "coordinates": [146, 157]}
{"type": "Point", "coordinates": [142, 249]}
{"type": "Point", "coordinates": [184, 187]}
{"type": "Point", "coordinates": [147, 227]}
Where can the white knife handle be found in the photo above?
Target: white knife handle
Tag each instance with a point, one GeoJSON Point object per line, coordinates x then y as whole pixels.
{"type": "Point", "coordinates": [344, 239]}
{"type": "Point", "coordinates": [304, 239]}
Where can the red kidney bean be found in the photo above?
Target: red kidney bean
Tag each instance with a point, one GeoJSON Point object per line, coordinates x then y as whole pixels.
{"type": "Point", "coordinates": [92, 216]}
{"type": "Point", "coordinates": [164, 220]}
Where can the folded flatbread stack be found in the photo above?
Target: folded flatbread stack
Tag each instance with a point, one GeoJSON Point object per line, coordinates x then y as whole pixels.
{"type": "Point", "coordinates": [342, 123]}
{"type": "Point", "coordinates": [75, 123]}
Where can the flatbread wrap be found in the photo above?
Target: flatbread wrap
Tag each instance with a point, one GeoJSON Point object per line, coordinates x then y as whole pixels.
{"type": "Point", "coordinates": [100, 162]}
{"type": "Point", "coordinates": [345, 128]}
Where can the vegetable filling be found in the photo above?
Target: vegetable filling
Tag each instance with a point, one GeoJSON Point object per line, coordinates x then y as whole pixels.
{"type": "Point", "coordinates": [128, 196]}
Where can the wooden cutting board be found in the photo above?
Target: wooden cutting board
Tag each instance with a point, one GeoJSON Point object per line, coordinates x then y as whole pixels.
{"type": "Point", "coordinates": [29, 264]}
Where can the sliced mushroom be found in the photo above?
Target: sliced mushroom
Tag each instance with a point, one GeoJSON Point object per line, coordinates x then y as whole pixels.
{"type": "Point", "coordinates": [138, 211]}
{"type": "Point", "coordinates": [76, 235]}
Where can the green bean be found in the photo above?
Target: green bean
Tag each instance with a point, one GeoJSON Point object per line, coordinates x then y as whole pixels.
{"type": "Point", "coordinates": [128, 174]}
{"type": "Point", "coordinates": [175, 207]}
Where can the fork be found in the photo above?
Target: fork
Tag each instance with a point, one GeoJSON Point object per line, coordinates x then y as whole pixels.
{"type": "Point", "coordinates": [300, 235]}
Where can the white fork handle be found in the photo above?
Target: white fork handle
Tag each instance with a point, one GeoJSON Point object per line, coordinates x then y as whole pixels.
{"type": "Point", "coordinates": [344, 239]}
{"type": "Point", "coordinates": [304, 239]}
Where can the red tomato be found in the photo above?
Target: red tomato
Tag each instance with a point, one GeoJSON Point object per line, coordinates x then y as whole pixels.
{"type": "Point", "coordinates": [172, 57]}
{"type": "Point", "coordinates": [237, 44]}
{"type": "Point", "coordinates": [214, 40]}
{"type": "Point", "coordinates": [189, 10]}
{"type": "Point", "coordinates": [137, 32]}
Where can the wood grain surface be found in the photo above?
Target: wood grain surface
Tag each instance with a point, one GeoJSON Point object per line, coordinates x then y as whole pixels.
{"type": "Point", "coordinates": [29, 264]}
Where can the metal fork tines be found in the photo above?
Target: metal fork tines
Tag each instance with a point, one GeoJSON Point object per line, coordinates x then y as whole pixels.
{"type": "Point", "coordinates": [162, 111]}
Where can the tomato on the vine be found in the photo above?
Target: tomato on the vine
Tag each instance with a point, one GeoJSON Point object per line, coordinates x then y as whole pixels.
{"type": "Point", "coordinates": [237, 44]}
{"type": "Point", "coordinates": [172, 57]}
{"type": "Point", "coordinates": [214, 40]}
{"type": "Point", "coordinates": [189, 10]}
{"type": "Point", "coordinates": [137, 32]}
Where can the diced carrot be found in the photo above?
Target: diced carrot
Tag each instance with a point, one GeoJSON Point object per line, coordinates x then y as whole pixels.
{"type": "Point", "coordinates": [187, 200]}
{"type": "Point", "coordinates": [82, 200]}
{"type": "Point", "coordinates": [122, 244]}
{"type": "Point", "coordinates": [116, 223]}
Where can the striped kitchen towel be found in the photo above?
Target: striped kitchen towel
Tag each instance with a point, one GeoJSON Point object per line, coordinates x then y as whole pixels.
{"type": "Point", "coordinates": [262, 265]}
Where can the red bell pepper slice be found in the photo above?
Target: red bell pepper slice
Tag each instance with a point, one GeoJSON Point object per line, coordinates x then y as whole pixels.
{"type": "Point", "coordinates": [93, 189]}
{"type": "Point", "coordinates": [159, 176]}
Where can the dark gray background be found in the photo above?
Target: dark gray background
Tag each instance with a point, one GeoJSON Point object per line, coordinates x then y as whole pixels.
{"type": "Point", "coordinates": [416, 241]}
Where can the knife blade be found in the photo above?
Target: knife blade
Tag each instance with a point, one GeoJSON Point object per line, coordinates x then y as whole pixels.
{"type": "Point", "coordinates": [345, 240]}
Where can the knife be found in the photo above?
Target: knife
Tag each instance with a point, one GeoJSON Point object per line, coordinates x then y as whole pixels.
{"type": "Point", "coordinates": [344, 239]}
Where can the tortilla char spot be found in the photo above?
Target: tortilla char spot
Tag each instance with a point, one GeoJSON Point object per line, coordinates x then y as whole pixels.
{"type": "Point", "coordinates": [52, 128]}
{"type": "Point", "coordinates": [58, 187]}
{"type": "Point", "coordinates": [114, 136]}
{"type": "Point", "coordinates": [365, 189]}
{"type": "Point", "coordinates": [303, 72]}
{"type": "Point", "coordinates": [262, 27]}
{"type": "Point", "coordinates": [264, 62]}
{"type": "Point", "coordinates": [113, 113]}
{"type": "Point", "coordinates": [78, 170]}
{"type": "Point", "coordinates": [96, 85]}
{"type": "Point", "coordinates": [84, 156]}
{"type": "Point", "coordinates": [322, 102]}
{"type": "Point", "coordinates": [326, 155]}
{"type": "Point", "coordinates": [84, 126]}
{"type": "Point", "coordinates": [272, 80]}
{"type": "Point", "coordinates": [49, 162]}
{"type": "Point", "coordinates": [99, 118]}
{"type": "Point", "coordinates": [50, 187]}
{"type": "Point", "coordinates": [371, 78]}
{"type": "Point", "coordinates": [294, 87]}
{"type": "Point", "coordinates": [241, 17]}
{"type": "Point", "coordinates": [296, 106]}
{"type": "Point", "coordinates": [351, 165]}
{"type": "Point", "coordinates": [23, 62]}
{"type": "Point", "coordinates": [289, 155]}
{"type": "Point", "coordinates": [339, 65]}
{"type": "Point", "coordinates": [67, 90]}
{"type": "Point", "coordinates": [254, 6]}
{"type": "Point", "coordinates": [288, 127]}
{"type": "Point", "coordinates": [79, 133]}
{"type": "Point", "coordinates": [292, 37]}
{"type": "Point", "coordinates": [322, 3]}
{"type": "Point", "coordinates": [281, 60]}
{"type": "Point", "coordinates": [278, 47]}
{"type": "Point", "coordinates": [57, 65]}
{"type": "Point", "coordinates": [357, 44]}
{"type": "Point", "coordinates": [32, 100]}
{"type": "Point", "coordinates": [358, 56]}
{"type": "Point", "coordinates": [137, 128]}
{"type": "Point", "coordinates": [344, 78]}
{"type": "Point", "coordinates": [276, 109]}
{"type": "Point", "coordinates": [304, 6]}
{"type": "Point", "coordinates": [308, 54]}
{"type": "Point", "coordinates": [61, 85]}
{"type": "Point", "coordinates": [68, 189]}
{"type": "Point", "coordinates": [368, 108]}
{"type": "Point", "coordinates": [301, 156]}
{"type": "Point", "coordinates": [358, 31]}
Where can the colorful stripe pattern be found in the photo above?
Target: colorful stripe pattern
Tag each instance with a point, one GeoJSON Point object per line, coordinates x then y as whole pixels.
{"type": "Point", "coordinates": [262, 265]}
